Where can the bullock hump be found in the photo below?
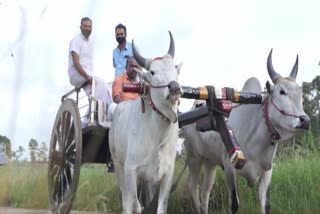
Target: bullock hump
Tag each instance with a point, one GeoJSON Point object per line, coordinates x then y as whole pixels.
{"type": "Point", "coordinates": [252, 85]}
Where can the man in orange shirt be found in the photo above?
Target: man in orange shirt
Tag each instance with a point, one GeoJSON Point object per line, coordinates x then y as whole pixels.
{"type": "Point", "coordinates": [129, 76]}
{"type": "Point", "coordinates": [118, 95]}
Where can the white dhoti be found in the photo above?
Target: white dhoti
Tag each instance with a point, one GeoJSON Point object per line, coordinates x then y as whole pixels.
{"type": "Point", "coordinates": [102, 91]}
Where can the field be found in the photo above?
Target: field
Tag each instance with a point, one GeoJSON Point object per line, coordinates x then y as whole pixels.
{"type": "Point", "coordinates": [295, 187]}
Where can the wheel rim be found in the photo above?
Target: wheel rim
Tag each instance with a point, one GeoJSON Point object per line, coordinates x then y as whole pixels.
{"type": "Point", "coordinates": [64, 157]}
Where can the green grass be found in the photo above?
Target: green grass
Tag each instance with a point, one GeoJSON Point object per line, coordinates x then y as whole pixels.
{"type": "Point", "coordinates": [26, 186]}
{"type": "Point", "coordinates": [295, 188]}
{"type": "Point", "coordinates": [296, 185]}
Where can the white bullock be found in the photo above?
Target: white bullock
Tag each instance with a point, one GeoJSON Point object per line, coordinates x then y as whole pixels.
{"type": "Point", "coordinates": [258, 129]}
{"type": "Point", "coordinates": [144, 133]}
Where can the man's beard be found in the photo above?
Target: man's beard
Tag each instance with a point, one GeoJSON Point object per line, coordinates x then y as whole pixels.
{"type": "Point", "coordinates": [86, 33]}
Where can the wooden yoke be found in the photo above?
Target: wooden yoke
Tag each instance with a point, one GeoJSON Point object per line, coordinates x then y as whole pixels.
{"type": "Point", "coordinates": [215, 113]}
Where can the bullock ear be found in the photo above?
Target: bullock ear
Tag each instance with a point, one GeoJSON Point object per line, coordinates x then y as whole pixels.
{"type": "Point", "coordinates": [142, 75]}
{"type": "Point", "coordinates": [147, 64]}
{"type": "Point", "coordinates": [178, 67]}
{"type": "Point", "coordinates": [269, 87]}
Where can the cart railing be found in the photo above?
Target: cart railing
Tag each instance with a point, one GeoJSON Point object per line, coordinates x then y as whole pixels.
{"type": "Point", "coordinates": [87, 109]}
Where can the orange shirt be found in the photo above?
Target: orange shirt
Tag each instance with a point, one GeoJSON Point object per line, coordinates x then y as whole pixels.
{"type": "Point", "coordinates": [117, 88]}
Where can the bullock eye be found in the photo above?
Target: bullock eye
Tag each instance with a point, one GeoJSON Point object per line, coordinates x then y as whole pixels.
{"type": "Point", "coordinates": [283, 92]}
{"type": "Point", "coordinates": [152, 73]}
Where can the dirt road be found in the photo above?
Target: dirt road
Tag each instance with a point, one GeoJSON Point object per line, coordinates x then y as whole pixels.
{"type": "Point", "coordinates": [30, 211]}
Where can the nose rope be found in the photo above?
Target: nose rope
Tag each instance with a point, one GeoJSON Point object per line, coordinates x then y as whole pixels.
{"type": "Point", "coordinates": [158, 86]}
{"type": "Point", "coordinates": [273, 132]}
{"type": "Point", "coordinates": [154, 107]}
{"type": "Point", "coordinates": [152, 104]}
{"type": "Point", "coordinates": [282, 111]}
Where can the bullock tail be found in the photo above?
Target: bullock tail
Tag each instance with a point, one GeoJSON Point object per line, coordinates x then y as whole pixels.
{"type": "Point", "coordinates": [152, 208]}
{"type": "Point", "coordinates": [175, 185]}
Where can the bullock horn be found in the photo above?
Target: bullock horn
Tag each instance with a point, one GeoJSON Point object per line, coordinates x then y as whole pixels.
{"type": "Point", "coordinates": [294, 71]}
{"type": "Point", "coordinates": [272, 73]}
{"type": "Point", "coordinates": [140, 60]}
{"type": "Point", "coordinates": [171, 48]}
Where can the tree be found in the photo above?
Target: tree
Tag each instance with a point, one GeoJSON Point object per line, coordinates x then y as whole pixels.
{"type": "Point", "coordinates": [16, 155]}
{"type": "Point", "coordinates": [42, 152]}
{"type": "Point", "coordinates": [33, 148]}
{"type": "Point", "coordinates": [5, 145]}
{"type": "Point", "coordinates": [311, 95]}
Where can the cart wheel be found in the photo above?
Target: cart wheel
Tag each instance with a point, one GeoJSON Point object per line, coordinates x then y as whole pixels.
{"type": "Point", "coordinates": [65, 155]}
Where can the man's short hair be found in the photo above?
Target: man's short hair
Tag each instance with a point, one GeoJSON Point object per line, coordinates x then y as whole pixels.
{"type": "Point", "coordinates": [131, 57]}
{"type": "Point", "coordinates": [121, 26]}
{"type": "Point", "coordinates": [85, 19]}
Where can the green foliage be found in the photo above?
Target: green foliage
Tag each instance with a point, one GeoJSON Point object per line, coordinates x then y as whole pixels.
{"type": "Point", "coordinates": [309, 142]}
{"type": "Point", "coordinates": [16, 155]}
{"type": "Point", "coordinates": [180, 134]}
{"type": "Point", "coordinates": [33, 148]}
{"type": "Point", "coordinates": [26, 186]}
{"type": "Point", "coordinates": [97, 190]}
{"type": "Point", "coordinates": [5, 145]}
{"type": "Point", "coordinates": [42, 153]}
{"type": "Point", "coordinates": [37, 152]}
{"type": "Point", "coordinates": [295, 187]}
{"type": "Point", "coordinates": [295, 184]}
{"type": "Point", "coordinates": [311, 95]}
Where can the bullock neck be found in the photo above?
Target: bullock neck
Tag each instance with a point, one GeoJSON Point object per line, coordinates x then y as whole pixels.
{"type": "Point", "coordinates": [273, 132]}
{"type": "Point", "coordinates": [154, 107]}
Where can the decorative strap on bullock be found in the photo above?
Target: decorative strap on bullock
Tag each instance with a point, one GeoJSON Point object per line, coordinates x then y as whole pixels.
{"type": "Point", "coordinates": [143, 108]}
{"type": "Point", "coordinates": [153, 106]}
{"type": "Point", "coordinates": [273, 132]}
{"type": "Point", "coordinates": [145, 91]}
{"type": "Point", "coordinates": [236, 157]}
{"type": "Point", "coordinates": [282, 111]}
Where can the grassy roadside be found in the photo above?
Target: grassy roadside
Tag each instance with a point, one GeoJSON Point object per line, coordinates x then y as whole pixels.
{"type": "Point", "coordinates": [295, 188]}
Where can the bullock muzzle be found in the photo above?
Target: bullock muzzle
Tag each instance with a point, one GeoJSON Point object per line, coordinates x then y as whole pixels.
{"type": "Point", "coordinates": [304, 122]}
{"type": "Point", "coordinates": [174, 90]}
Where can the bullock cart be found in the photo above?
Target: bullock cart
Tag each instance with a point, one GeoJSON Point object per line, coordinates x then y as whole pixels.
{"type": "Point", "coordinates": [73, 143]}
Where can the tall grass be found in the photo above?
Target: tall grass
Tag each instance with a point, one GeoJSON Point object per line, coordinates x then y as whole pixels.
{"type": "Point", "coordinates": [295, 187]}
{"type": "Point", "coordinates": [26, 186]}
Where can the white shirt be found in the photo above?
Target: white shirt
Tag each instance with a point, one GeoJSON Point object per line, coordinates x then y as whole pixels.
{"type": "Point", "coordinates": [84, 48]}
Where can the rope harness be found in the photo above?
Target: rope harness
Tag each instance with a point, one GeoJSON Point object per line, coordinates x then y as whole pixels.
{"type": "Point", "coordinates": [147, 89]}
{"type": "Point", "coordinates": [273, 132]}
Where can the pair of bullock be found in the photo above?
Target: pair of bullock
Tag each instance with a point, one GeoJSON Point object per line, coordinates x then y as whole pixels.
{"type": "Point", "coordinates": [144, 133]}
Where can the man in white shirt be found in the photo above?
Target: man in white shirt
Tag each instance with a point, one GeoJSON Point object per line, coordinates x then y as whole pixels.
{"type": "Point", "coordinates": [81, 67]}
{"type": "Point", "coordinates": [81, 63]}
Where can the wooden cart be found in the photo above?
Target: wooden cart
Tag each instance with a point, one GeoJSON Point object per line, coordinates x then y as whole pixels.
{"type": "Point", "coordinates": [72, 144]}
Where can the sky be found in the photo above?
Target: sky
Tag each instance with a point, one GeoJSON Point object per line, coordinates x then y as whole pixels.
{"type": "Point", "coordinates": [221, 43]}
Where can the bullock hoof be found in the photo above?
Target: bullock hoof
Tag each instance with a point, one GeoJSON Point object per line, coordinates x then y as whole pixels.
{"type": "Point", "coordinates": [238, 160]}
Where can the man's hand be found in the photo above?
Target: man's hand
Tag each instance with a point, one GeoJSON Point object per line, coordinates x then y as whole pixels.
{"type": "Point", "coordinates": [89, 79]}
{"type": "Point", "coordinates": [117, 99]}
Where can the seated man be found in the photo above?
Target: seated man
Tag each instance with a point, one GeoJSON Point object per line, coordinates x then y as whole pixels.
{"type": "Point", "coordinates": [129, 76]}
{"type": "Point", "coordinates": [81, 64]}
{"type": "Point", "coordinates": [118, 95]}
